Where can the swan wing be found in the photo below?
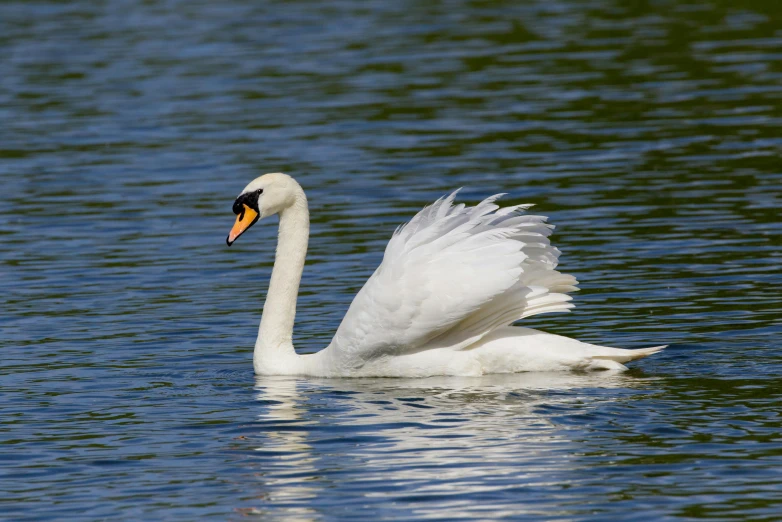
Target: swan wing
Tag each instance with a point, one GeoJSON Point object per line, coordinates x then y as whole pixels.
{"type": "Point", "coordinates": [452, 275]}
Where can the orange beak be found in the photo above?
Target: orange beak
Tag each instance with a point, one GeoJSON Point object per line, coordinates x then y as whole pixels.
{"type": "Point", "coordinates": [244, 220]}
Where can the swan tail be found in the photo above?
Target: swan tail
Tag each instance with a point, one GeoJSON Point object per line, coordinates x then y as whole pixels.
{"type": "Point", "coordinates": [622, 355]}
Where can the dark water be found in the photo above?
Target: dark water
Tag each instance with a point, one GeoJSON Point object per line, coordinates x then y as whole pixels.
{"type": "Point", "coordinates": [649, 131]}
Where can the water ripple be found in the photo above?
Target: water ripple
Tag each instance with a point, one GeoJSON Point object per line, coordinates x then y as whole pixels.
{"type": "Point", "coordinates": [648, 132]}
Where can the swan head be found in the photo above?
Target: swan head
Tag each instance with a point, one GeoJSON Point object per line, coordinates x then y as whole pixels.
{"type": "Point", "coordinates": [264, 196]}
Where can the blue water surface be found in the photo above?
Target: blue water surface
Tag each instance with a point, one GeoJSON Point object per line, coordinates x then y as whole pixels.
{"type": "Point", "coordinates": [649, 132]}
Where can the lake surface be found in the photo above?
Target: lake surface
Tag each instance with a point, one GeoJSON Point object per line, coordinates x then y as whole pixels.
{"type": "Point", "coordinates": [649, 134]}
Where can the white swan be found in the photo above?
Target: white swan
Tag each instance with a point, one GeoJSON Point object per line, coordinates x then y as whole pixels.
{"type": "Point", "coordinates": [451, 282]}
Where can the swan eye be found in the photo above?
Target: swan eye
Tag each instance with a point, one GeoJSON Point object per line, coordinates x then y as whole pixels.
{"type": "Point", "coordinates": [248, 198]}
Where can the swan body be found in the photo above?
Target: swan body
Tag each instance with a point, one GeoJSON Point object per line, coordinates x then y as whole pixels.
{"type": "Point", "coordinates": [451, 282]}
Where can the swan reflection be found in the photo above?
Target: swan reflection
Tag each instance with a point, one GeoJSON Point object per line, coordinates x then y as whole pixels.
{"type": "Point", "coordinates": [433, 443]}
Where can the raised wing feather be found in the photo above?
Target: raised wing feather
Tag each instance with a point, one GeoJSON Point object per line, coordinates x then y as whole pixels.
{"type": "Point", "coordinates": [452, 275]}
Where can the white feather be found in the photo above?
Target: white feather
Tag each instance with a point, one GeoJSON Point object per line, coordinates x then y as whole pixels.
{"type": "Point", "coordinates": [451, 282]}
{"type": "Point", "coordinates": [451, 276]}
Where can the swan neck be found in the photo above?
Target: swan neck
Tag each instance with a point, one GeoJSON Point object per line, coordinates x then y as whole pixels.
{"type": "Point", "coordinates": [275, 335]}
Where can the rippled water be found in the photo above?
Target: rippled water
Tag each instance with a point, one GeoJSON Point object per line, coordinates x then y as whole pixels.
{"type": "Point", "coordinates": [650, 134]}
